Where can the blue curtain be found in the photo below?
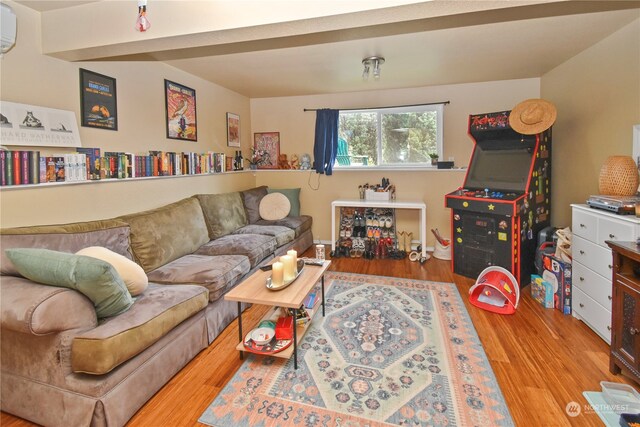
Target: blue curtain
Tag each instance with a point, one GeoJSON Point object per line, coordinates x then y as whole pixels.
{"type": "Point", "coordinates": [325, 147]}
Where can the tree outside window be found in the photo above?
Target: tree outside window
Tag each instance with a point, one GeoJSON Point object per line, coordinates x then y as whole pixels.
{"type": "Point", "coordinates": [393, 136]}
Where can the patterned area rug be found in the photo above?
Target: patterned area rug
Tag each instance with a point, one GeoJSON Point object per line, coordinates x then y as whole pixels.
{"type": "Point", "coordinates": [389, 351]}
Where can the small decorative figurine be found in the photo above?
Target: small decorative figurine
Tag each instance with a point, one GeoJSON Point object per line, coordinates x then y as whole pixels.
{"type": "Point", "coordinates": [283, 163]}
{"type": "Point", "coordinates": [305, 162]}
{"type": "Point", "coordinates": [295, 163]}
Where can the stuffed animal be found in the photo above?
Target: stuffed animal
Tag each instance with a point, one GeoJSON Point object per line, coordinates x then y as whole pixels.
{"type": "Point", "coordinates": [295, 163]}
{"type": "Point", "coordinates": [283, 163]}
{"type": "Point", "coordinates": [305, 162]}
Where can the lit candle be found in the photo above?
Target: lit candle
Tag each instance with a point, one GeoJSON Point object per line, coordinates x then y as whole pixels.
{"type": "Point", "coordinates": [289, 268]}
{"type": "Point", "coordinates": [293, 254]}
{"type": "Point", "coordinates": [277, 277]}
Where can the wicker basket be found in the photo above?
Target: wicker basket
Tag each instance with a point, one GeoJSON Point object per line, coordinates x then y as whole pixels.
{"type": "Point", "coordinates": [618, 176]}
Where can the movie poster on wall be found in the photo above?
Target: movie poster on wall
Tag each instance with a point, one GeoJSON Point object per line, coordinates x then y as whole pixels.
{"type": "Point", "coordinates": [98, 103]}
{"type": "Point", "coordinates": [30, 125]}
{"type": "Point", "coordinates": [180, 102]}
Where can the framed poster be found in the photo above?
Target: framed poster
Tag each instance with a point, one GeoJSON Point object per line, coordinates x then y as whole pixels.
{"type": "Point", "coordinates": [22, 124]}
{"type": "Point", "coordinates": [180, 103]}
{"type": "Point", "coordinates": [98, 104]}
{"type": "Point", "coordinates": [233, 130]}
{"type": "Point", "coordinates": [268, 145]}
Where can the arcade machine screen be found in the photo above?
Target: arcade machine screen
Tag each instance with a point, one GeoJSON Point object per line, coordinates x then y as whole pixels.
{"type": "Point", "coordinates": [503, 170]}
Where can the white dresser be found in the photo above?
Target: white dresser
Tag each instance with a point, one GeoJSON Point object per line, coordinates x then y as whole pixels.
{"type": "Point", "coordinates": [592, 268]}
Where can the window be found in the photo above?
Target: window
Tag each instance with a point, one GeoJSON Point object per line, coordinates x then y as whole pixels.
{"type": "Point", "coordinates": [399, 136]}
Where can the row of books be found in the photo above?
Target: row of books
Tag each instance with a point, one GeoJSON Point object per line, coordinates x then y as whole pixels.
{"type": "Point", "coordinates": [29, 167]}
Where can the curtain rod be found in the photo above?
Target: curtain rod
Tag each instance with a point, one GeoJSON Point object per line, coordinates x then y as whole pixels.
{"type": "Point", "coordinates": [381, 108]}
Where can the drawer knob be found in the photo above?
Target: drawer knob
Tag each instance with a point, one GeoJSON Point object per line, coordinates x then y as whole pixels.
{"type": "Point", "coordinates": [609, 297]}
{"type": "Point", "coordinates": [581, 279]}
{"type": "Point", "coordinates": [634, 331]}
{"type": "Point", "coordinates": [583, 226]}
{"type": "Point", "coordinates": [581, 305]}
{"type": "Point", "coordinates": [611, 236]}
{"type": "Point", "coordinates": [608, 328]}
{"type": "Point", "coordinates": [581, 252]}
{"type": "Point", "coordinates": [610, 266]}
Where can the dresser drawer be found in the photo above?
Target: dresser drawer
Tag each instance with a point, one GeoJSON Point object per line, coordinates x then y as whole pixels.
{"type": "Point", "coordinates": [593, 314]}
{"type": "Point", "coordinates": [598, 258]}
{"type": "Point", "coordinates": [585, 225]}
{"type": "Point", "coordinates": [609, 229]}
{"type": "Point", "coordinates": [594, 285]}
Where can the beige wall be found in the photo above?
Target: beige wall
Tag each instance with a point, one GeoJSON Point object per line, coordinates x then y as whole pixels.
{"type": "Point", "coordinates": [27, 76]}
{"type": "Point", "coordinates": [285, 115]}
{"type": "Point", "coordinates": [597, 94]}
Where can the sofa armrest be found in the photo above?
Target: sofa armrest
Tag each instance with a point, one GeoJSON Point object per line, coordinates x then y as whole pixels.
{"type": "Point", "coordinates": [36, 309]}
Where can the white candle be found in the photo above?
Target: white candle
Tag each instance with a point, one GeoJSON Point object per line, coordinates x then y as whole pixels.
{"type": "Point", "coordinates": [289, 268]}
{"type": "Point", "coordinates": [277, 277]}
{"type": "Point", "coordinates": [293, 254]}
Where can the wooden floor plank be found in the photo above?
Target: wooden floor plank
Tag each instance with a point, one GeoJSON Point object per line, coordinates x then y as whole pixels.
{"type": "Point", "coordinates": [542, 359]}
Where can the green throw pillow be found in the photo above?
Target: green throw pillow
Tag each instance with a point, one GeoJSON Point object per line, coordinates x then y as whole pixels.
{"type": "Point", "coordinates": [94, 278]}
{"type": "Point", "coordinates": [293, 194]}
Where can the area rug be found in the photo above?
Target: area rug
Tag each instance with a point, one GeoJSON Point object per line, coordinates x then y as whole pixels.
{"type": "Point", "coordinates": [389, 351]}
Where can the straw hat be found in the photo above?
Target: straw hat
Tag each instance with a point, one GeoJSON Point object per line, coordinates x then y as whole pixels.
{"type": "Point", "coordinates": [532, 116]}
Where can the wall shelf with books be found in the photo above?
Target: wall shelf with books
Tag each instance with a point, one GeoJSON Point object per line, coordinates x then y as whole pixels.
{"type": "Point", "coordinates": [27, 169]}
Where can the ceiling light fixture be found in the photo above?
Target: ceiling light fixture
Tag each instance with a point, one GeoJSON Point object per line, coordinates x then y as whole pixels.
{"type": "Point", "coordinates": [142, 23]}
{"type": "Point", "coordinates": [372, 62]}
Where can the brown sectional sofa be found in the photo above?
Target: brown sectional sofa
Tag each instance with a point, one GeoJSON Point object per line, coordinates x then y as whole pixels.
{"type": "Point", "coordinates": [61, 365]}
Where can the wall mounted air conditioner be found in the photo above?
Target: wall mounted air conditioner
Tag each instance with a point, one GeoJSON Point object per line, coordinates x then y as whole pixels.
{"type": "Point", "coordinates": [7, 28]}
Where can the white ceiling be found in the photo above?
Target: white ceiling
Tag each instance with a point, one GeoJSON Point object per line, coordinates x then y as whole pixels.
{"type": "Point", "coordinates": [501, 51]}
{"type": "Point", "coordinates": [489, 45]}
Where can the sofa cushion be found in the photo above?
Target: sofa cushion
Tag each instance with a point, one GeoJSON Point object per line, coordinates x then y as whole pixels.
{"type": "Point", "coordinates": [293, 194]}
{"type": "Point", "coordinates": [274, 206]}
{"type": "Point", "coordinates": [162, 235]}
{"type": "Point", "coordinates": [32, 308]}
{"type": "Point", "coordinates": [299, 224]}
{"type": "Point", "coordinates": [224, 213]}
{"type": "Point", "coordinates": [254, 246]}
{"type": "Point", "coordinates": [112, 234]}
{"type": "Point", "coordinates": [251, 200]}
{"type": "Point", "coordinates": [216, 273]}
{"type": "Point", "coordinates": [94, 278]}
{"type": "Point", "coordinates": [132, 274]}
{"type": "Point", "coordinates": [156, 311]}
{"type": "Point", "coordinates": [282, 234]}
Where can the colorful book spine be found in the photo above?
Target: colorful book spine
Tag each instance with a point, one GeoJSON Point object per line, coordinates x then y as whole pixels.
{"type": "Point", "coordinates": [17, 168]}
{"type": "Point", "coordinates": [34, 167]}
{"type": "Point", "coordinates": [3, 167]}
{"type": "Point", "coordinates": [43, 169]}
{"type": "Point", "coordinates": [51, 169]}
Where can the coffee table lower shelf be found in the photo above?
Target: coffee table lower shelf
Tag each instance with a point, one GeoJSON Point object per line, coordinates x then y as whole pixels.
{"type": "Point", "coordinates": [300, 331]}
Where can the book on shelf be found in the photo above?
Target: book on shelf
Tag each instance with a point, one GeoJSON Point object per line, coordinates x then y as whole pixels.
{"type": "Point", "coordinates": [92, 161]}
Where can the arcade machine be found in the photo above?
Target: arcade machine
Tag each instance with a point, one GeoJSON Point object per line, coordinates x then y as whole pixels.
{"type": "Point", "coordinates": [505, 199]}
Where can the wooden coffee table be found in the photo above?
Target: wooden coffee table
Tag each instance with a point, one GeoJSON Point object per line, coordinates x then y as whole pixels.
{"type": "Point", "coordinates": [253, 290]}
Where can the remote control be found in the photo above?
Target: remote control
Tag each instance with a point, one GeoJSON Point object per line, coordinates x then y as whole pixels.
{"type": "Point", "coordinates": [266, 267]}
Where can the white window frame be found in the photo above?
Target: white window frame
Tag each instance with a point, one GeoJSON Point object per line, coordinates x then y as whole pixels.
{"type": "Point", "coordinates": [438, 108]}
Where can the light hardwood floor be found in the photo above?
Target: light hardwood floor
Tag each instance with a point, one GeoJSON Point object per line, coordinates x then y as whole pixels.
{"type": "Point", "coordinates": [542, 359]}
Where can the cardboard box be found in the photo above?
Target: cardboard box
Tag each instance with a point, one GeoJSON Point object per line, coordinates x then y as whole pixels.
{"type": "Point", "coordinates": [542, 291]}
{"type": "Point", "coordinates": [558, 273]}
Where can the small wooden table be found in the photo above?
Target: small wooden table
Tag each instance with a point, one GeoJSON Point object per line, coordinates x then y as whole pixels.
{"type": "Point", "coordinates": [253, 290]}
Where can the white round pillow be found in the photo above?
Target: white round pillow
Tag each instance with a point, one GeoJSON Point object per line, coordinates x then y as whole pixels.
{"type": "Point", "coordinates": [274, 206]}
{"type": "Point", "coordinates": [132, 274]}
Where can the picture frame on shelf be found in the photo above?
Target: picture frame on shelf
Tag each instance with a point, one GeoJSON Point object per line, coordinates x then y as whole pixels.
{"type": "Point", "coordinates": [180, 107]}
{"type": "Point", "coordinates": [98, 101]}
{"type": "Point", "coordinates": [269, 144]}
{"type": "Point", "coordinates": [233, 130]}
